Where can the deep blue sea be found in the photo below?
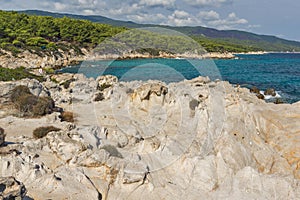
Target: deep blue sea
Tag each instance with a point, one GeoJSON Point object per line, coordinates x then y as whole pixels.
{"type": "Point", "coordinates": [280, 71]}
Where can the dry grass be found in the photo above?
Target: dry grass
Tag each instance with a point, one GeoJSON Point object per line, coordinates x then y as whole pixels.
{"type": "Point", "coordinates": [67, 116]}
{"type": "Point", "coordinates": [30, 105]}
{"type": "Point", "coordinates": [43, 131]}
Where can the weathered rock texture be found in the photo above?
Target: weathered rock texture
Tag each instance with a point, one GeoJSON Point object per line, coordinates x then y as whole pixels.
{"type": "Point", "coordinates": [10, 188]}
{"type": "Point", "coordinates": [194, 139]}
{"type": "Point", "coordinates": [45, 59]}
{"type": "Point", "coordinates": [62, 58]}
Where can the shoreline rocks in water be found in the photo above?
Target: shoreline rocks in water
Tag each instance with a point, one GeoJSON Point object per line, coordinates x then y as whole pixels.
{"type": "Point", "coordinates": [270, 91]}
{"type": "Point", "coordinates": [195, 139]}
{"type": "Point", "coordinates": [270, 95]}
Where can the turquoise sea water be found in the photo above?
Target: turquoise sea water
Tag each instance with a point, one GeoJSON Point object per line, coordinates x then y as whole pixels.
{"type": "Point", "coordinates": [277, 70]}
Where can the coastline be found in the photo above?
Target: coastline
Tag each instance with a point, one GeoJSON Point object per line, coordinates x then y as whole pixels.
{"type": "Point", "coordinates": [61, 59]}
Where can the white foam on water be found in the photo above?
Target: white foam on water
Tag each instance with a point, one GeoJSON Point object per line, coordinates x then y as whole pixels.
{"type": "Point", "coordinates": [267, 97]}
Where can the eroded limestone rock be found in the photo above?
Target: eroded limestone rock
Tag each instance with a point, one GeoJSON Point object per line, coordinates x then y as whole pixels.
{"type": "Point", "coordinates": [196, 139]}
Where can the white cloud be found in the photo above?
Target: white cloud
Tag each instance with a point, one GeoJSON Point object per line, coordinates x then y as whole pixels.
{"type": "Point", "coordinates": [180, 14]}
{"type": "Point", "coordinates": [125, 10]}
{"type": "Point", "coordinates": [59, 6]}
{"type": "Point", "coordinates": [166, 3]}
{"type": "Point", "coordinates": [203, 3]}
{"type": "Point", "coordinates": [181, 18]}
{"type": "Point", "coordinates": [148, 18]}
{"type": "Point", "coordinates": [213, 19]}
{"type": "Point", "coordinates": [209, 15]}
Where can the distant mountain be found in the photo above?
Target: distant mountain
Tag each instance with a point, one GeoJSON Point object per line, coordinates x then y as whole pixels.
{"type": "Point", "coordinates": [232, 38]}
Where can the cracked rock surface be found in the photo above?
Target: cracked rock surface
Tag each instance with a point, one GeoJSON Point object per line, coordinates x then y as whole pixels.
{"type": "Point", "coordinates": [195, 139]}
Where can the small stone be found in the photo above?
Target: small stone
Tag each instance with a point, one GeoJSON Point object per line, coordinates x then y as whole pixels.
{"type": "Point", "coordinates": [260, 96]}
{"type": "Point", "coordinates": [270, 91]}
{"type": "Point", "coordinates": [255, 90]}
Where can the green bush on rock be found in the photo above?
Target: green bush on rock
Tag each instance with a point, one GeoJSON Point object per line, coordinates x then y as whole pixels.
{"type": "Point", "coordinates": [17, 74]}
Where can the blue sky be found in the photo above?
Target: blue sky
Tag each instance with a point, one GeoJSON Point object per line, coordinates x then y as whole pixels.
{"type": "Point", "coordinates": [271, 17]}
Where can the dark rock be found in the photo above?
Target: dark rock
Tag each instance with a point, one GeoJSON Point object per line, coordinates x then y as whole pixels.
{"type": "Point", "coordinates": [255, 90]}
{"type": "Point", "coordinates": [2, 136]}
{"type": "Point", "coordinates": [260, 96]}
{"type": "Point", "coordinates": [193, 104]}
{"type": "Point", "coordinates": [10, 188]}
{"type": "Point", "coordinates": [270, 91]}
{"type": "Point", "coordinates": [99, 97]}
{"type": "Point", "coordinates": [278, 101]}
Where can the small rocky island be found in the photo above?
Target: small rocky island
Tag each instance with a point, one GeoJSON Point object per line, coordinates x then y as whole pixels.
{"type": "Point", "coordinates": [72, 137]}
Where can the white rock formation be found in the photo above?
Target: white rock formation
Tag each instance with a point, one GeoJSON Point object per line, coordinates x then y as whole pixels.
{"type": "Point", "coordinates": [194, 139]}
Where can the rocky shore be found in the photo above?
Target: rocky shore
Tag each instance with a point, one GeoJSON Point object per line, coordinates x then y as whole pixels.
{"type": "Point", "coordinates": [49, 60]}
{"type": "Point", "coordinates": [196, 139]}
{"type": "Point", "coordinates": [63, 58]}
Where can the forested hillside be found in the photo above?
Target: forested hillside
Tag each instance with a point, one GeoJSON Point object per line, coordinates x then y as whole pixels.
{"type": "Point", "coordinates": [211, 39]}
{"type": "Point", "coordinates": [22, 31]}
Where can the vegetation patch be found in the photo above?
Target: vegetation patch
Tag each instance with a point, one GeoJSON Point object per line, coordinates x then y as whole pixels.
{"type": "Point", "coordinates": [19, 91]}
{"type": "Point", "coordinates": [17, 74]}
{"type": "Point", "coordinates": [67, 116]}
{"type": "Point", "coordinates": [43, 106]}
{"type": "Point", "coordinates": [103, 86]}
{"type": "Point", "coordinates": [43, 131]}
{"type": "Point", "coordinates": [67, 83]}
{"type": "Point", "coordinates": [44, 34]}
{"type": "Point", "coordinates": [99, 97]}
{"type": "Point", "coordinates": [30, 105]}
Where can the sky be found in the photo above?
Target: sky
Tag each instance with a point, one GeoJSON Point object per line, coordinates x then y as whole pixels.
{"type": "Point", "coordinates": [271, 17]}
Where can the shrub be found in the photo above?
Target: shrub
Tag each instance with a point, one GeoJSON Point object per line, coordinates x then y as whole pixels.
{"type": "Point", "coordinates": [25, 103]}
{"type": "Point", "coordinates": [99, 97]}
{"type": "Point", "coordinates": [44, 106]}
{"type": "Point", "coordinates": [17, 74]}
{"type": "Point", "coordinates": [103, 86]}
{"type": "Point", "coordinates": [36, 41]}
{"type": "Point", "coordinates": [43, 131]}
{"type": "Point", "coordinates": [30, 105]}
{"type": "Point", "coordinates": [67, 116]}
{"type": "Point", "coordinates": [67, 83]}
{"type": "Point", "coordinates": [49, 70]}
{"type": "Point", "coordinates": [19, 91]}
